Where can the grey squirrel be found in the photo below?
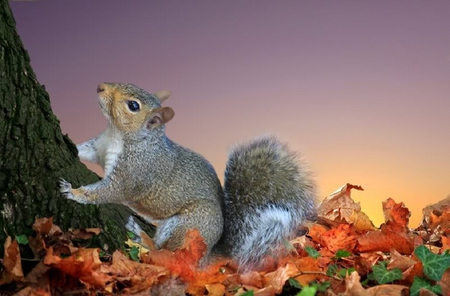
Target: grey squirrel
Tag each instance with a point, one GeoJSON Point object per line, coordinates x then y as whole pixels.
{"type": "Point", "coordinates": [266, 193]}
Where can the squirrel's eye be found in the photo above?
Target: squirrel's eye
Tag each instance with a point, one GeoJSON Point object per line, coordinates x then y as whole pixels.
{"type": "Point", "coordinates": [133, 106]}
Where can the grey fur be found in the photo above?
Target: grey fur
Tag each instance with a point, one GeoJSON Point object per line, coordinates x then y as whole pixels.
{"type": "Point", "coordinates": [267, 194]}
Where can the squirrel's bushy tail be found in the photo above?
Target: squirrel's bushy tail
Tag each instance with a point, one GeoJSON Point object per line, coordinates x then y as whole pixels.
{"type": "Point", "coordinates": [268, 193]}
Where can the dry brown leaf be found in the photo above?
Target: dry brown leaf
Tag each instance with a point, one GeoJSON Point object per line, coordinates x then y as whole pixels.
{"type": "Point", "coordinates": [277, 278]}
{"type": "Point", "coordinates": [29, 291]}
{"type": "Point", "coordinates": [437, 214]}
{"type": "Point", "coordinates": [387, 290]}
{"type": "Point", "coordinates": [400, 261]}
{"type": "Point", "coordinates": [251, 278]}
{"type": "Point", "coordinates": [172, 286]}
{"type": "Point", "coordinates": [353, 285]}
{"type": "Point", "coordinates": [445, 282]}
{"type": "Point", "coordinates": [339, 208]}
{"type": "Point", "coordinates": [36, 274]}
{"type": "Point", "coordinates": [139, 275]}
{"type": "Point", "coordinates": [12, 264]}
{"type": "Point", "coordinates": [87, 233]}
{"type": "Point", "coordinates": [45, 226]}
{"type": "Point", "coordinates": [396, 212]}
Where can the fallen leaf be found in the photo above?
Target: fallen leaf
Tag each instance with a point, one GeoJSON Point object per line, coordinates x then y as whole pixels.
{"type": "Point", "coordinates": [342, 237]}
{"type": "Point", "coordinates": [87, 233]}
{"type": "Point", "coordinates": [387, 290]}
{"type": "Point", "coordinates": [353, 285]}
{"type": "Point", "coordinates": [45, 226]}
{"type": "Point", "coordinates": [387, 238]}
{"type": "Point", "coordinates": [396, 212]}
{"type": "Point", "coordinates": [339, 208]}
{"type": "Point", "coordinates": [308, 270]}
{"type": "Point", "coordinates": [12, 264]}
{"type": "Point", "coordinates": [251, 278]}
{"type": "Point", "coordinates": [139, 276]}
{"type": "Point", "coordinates": [437, 214]}
{"type": "Point", "coordinates": [215, 289]}
{"type": "Point", "coordinates": [400, 261]}
{"type": "Point", "coordinates": [83, 265]}
{"type": "Point", "coordinates": [29, 291]}
{"type": "Point", "coordinates": [183, 262]}
{"type": "Point", "coordinates": [278, 278]}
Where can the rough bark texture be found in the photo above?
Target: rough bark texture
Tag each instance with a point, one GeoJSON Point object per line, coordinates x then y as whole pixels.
{"type": "Point", "coordinates": [34, 154]}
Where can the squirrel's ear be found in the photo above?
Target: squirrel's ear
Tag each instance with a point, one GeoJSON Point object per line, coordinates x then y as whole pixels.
{"type": "Point", "coordinates": [163, 95]}
{"type": "Point", "coordinates": [160, 116]}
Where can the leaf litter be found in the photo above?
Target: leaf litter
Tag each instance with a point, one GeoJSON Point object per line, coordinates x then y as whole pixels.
{"type": "Point", "coordinates": [343, 253]}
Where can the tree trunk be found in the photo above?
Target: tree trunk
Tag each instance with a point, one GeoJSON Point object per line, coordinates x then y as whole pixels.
{"type": "Point", "coordinates": [34, 154]}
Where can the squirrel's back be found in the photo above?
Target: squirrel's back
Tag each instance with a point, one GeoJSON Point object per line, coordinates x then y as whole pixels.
{"type": "Point", "coordinates": [267, 195]}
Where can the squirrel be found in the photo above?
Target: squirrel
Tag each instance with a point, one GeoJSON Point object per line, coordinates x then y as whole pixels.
{"type": "Point", "coordinates": [267, 193]}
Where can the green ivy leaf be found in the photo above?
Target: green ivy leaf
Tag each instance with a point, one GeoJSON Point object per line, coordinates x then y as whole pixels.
{"type": "Point", "coordinates": [434, 265]}
{"type": "Point", "coordinates": [22, 239]}
{"type": "Point", "coordinates": [420, 283]}
{"type": "Point", "coordinates": [131, 235]}
{"type": "Point", "coordinates": [313, 253]}
{"type": "Point", "coordinates": [294, 283]}
{"type": "Point", "coordinates": [307, 291]}
{"type": "Point", "coordinates": [341, 254]}
{"type": "Point", "coordinates": [134, 253]}
{"type": "Point", "coordinates": [345, 271]}
{"type": "Point", "coordinates": [332, 269]}
{"type": "Point", "coordinates": [382, 275]}
{"type": "Point", "coordinates": [321, 287]}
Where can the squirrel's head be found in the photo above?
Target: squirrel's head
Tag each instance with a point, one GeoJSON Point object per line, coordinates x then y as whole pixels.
{"type": "Point", "coordinates": [132, 109]}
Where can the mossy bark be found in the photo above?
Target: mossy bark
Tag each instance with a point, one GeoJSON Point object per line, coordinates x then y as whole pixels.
{"type": "Point", "coordinates": [34, 154]}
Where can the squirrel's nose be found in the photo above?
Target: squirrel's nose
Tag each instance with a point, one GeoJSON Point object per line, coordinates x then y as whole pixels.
{"type": "Point", "coordinates": [100, 88]}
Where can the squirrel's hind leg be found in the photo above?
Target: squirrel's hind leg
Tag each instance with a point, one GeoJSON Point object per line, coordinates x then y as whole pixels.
{"type": "Point", "coordinates": [203, 215]}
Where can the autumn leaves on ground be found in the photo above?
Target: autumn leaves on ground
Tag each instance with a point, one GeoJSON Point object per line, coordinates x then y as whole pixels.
{"type": "Point", "coordinates": [342, 253]}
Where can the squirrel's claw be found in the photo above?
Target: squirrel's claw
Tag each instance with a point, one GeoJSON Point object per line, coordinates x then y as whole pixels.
{"type": "Point", "coordinates": [64, 187]}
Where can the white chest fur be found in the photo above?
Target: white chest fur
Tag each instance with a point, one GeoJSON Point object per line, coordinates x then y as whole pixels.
{"type": "Point", "coordinates": [109, 146]}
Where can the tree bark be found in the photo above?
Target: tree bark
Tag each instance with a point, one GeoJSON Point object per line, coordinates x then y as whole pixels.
{"type": "Point", "coordinates": [34, 154]}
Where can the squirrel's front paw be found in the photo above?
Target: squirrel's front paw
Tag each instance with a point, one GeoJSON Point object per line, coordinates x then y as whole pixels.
{"type": "Point", "coordinates": [66, 189]}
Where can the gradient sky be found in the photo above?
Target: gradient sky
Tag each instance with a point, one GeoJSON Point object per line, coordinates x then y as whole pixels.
{"type": "Point", "coordinates": [360, 88]}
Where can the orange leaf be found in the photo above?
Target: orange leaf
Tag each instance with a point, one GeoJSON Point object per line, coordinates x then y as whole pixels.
{"type": "Point", "coordinates": [341, 238]}
{"type": "Point", "coordinates": [83, 265]}
{"type": "Point", "coordinates": [307, 264]}
{"type": "Point", "coordinates": [396, 212]}
{"type": "Point", "coordinates": [390, 237]}
{"type": "Point", "coordinates": [215, 289]}
{"type": "Point", "coordinates": [12, 264]}
{"type": "Point", "coordinates": [182, 262]}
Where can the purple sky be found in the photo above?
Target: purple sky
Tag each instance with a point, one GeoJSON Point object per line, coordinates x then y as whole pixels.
{"type": "Point", "coordinates": [360, 88]}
